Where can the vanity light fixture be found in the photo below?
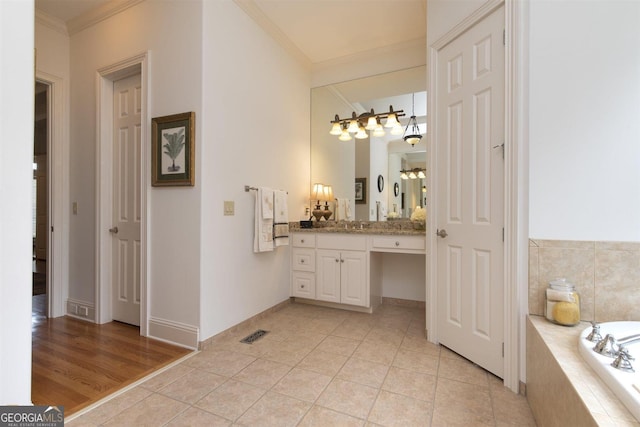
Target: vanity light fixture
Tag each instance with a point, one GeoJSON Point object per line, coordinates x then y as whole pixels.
{"type": "Point", "coordinates": [414, 173]}
{"type": "Point", "coordinates": [371, 121]}
{"type": "Point", "coordinates": [412, 131]}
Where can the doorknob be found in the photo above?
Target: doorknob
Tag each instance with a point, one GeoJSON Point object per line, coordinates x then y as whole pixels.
{"type": "Point", "coordinates": [114, 230]}
{"type": "Point", "coordinates": [442, 233]}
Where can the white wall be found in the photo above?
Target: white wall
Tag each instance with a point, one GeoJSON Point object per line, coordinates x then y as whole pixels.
{"type": "Point", "coordinates": [16, 158]}
{"type": "Point", "coordinates": [585, 120]}
{"type": "Point", "coordinates": [446, 14]}
{"type": "Point", "coordinates": [256, 132]}
{"type": "Point", "coordinates": [172, 33]}
{"type": "Point", "coordinates": [403, 276]}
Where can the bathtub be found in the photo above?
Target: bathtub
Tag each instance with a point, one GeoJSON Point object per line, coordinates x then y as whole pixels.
{"type": "Point", "coordinates": [625, 385]}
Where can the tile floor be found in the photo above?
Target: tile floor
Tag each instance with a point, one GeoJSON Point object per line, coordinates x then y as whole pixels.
{"type": "Point", "coordinates": [321, 367]}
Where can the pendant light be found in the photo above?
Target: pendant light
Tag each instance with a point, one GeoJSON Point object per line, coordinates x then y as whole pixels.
{"type": "Point", "coordinates": [412, 132]}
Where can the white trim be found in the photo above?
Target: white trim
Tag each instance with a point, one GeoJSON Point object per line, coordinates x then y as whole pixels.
{"type": "Point", "coordinates": [98, 14]}
{"type": "Point", "coordinates": [49, 21]}
{"type": "Point", "coordinates": [174, 332]}
{"type": "Point", "coordinates": [104, 191]}
{"type": "Point", "coordinates": [515, 182]}
{"type": "Point", "coordinates": [91, 309]}
{"type": "Point", "coordinates": [58, 194]}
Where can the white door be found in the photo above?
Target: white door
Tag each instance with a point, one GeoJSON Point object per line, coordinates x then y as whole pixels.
{"type": "Point", "coordinates": [353, 278]}
{"type": "Point", "coordinates": [126, 200]}
{"type": "Point", "coordinates": [470, 105]}
{"type": "Point", "coordinates": [328, 268]}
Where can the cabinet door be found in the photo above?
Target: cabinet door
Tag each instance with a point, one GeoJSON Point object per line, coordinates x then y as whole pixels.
{"type": "Point", "coordinates": [303, 284]}
{"type": "Point", "coordinates": [353, 278]}
{"type": "Point", "coordinates": [328, 275]}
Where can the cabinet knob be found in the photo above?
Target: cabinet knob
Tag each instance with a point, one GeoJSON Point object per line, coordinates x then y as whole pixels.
{"type": "Point", "coordinates": [301, 240]}
{"type": "Point", "coordinates": [337, 260]}
{"type": "Point", "coordinates": [342, 260]}
{"type": "Point", "coordinates": [397, 243]}
{"type": "Point", "coordinates": [302, 261]}
{"type": "Point", "coordinates": [302, 286]}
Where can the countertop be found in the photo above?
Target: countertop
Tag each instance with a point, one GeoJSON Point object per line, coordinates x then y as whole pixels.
{"type": "Point", "coordinates": [395, 227]}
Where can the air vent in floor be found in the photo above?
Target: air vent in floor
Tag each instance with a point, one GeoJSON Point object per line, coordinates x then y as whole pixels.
{"type": "Point", "coordinates": [254, 336]}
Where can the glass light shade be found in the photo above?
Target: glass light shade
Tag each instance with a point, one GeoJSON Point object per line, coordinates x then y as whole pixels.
{"type": "Point", "coordinates": [336, 129]}
{"type": "Point", "coordinates": [412, 175]}
{"type": "Point", "coordinates": [353, 126]}
{"type": "Point", "coordinates": [413, 139]}
{"type": "Point", "coordinates": [317, 192]}
{"type": "Point", "coordinates": [391, 121]}
{"type": "Point", "coordinates": [362, 134]}
{"type": "Point", "coordinates": [404, 175]}
{"type": "Point", "coordinates": [372, 123]}
{"type": "Point", "coordinates": [396, 130]}
{"type": "Point", "coordinates": [421, 174]}
{"type": "Point", "coordinates": [327, 193]}
{"type": "Point", "coordinates": [379, 130]}
{"type": "Point", "coordinates": [424, 189]}
{"type": "Point", "coordinates": [344, 136]}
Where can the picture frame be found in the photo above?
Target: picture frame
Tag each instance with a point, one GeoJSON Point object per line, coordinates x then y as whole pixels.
{"type": "Point", "coordinates": [173, 150]}
{"type": "Point", "coordinates": [361, 191]}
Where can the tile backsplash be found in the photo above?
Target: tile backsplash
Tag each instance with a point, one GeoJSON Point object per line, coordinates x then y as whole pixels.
{"type": "Point", "coordinates": [606, 274]}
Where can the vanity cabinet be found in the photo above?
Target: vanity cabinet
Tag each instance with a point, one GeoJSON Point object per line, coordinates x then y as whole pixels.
{"type": "Point", "coordinates": [303, 266]}
{"type": "Point", "coordinates": [341, 277]}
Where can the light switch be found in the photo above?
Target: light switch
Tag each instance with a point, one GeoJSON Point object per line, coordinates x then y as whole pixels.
{"type": "Point", "coordinates": [229, 208]}
{"type": "Point", "coordinates": [75, 208]}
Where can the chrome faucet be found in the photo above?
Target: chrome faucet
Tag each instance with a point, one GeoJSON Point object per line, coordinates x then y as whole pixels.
{"type": "Point", "coordinates": [610, 347]}
{"type": "Point", "coordinates": [594, 336]}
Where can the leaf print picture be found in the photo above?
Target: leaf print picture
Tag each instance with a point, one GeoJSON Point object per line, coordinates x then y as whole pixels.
{"type": "Point", "coordinates": [173, 161]}
{"type": "Point", "coordinates": [173, 147]}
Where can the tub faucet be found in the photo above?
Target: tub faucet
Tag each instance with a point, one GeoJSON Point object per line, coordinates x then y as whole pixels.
{"type": "Point", "coordinates": [594, 336]}
{"type": "Point", "coordinates": [606, 346]}
{"type": "Point", "coordinates": [623, 361]}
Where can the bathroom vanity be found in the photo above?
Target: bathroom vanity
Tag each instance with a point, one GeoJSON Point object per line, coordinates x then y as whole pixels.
{"type": "Point", "coordinates": [342, 267]}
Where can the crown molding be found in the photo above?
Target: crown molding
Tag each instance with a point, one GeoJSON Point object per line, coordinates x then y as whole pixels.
{"type": "Point", "coordinates": [99, 14]}
{"type": "Point", "coordinates": [52, 22]}
{"type": "Point", "coordinates": [259, 17]}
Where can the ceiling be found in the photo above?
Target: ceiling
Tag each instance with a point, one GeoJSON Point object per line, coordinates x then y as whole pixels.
{"type": "Point", "coordinates": [322, 30]}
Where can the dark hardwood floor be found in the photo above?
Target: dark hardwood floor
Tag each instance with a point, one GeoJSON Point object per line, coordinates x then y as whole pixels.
{"type": "Point", "coordinates": [75, 363]}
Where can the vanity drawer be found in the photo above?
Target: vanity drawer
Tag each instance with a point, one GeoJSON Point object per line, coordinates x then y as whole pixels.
{"type": "Point", "coordinates": [304, 260]}
{"type": "Point", "coordinates": [343, 242]}
{"type": "Point", "coordinates": [304, 240]}
{"type": "Point", "coordinates": [411, 244]}
{"type": "Point", "coordinates": [303, 285]}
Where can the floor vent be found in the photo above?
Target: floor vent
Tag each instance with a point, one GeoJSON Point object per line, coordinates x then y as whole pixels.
{"type": "Point", "coordinates": [254, 336]}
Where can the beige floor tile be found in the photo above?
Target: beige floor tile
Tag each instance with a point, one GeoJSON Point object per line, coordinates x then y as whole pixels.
{"type": "Point", "coordinates": [376, 352]}
{"type": "Point", "coordinates": [198, 417]}
{"type": "Point", "coordinates": [355, 331]}
{"type": "Point", "coordinates": [420, 344]}
{"type": "Point", "coordinates": [383, 335]}
{"type": "Point", "coordinates": [231, 399]}
{"type": "Point", "coordinates": [154, 410]}
{"type": "Point", "coordinates": [416, 361]}
{"type": "Point", "coordinates": [276, 410]}
{"type": "Point", "coordinates": [113, 407]}
{"type": "Point", "coordinates": [323, 417]}
{"type": "Point", "coordinates": [455, 397]}
{"type": "Point", "coordinates": [348, 397]}
{"type": "Point", "coordinates": [338, 345]}
{"type": "Point", "coordinates": [324, 325]}
{"type": "Point", "coordinates": [193, 386]}
{"type": "Point", "coordinates": [285, 354]}
{"type": "Point", "coordinates": [166, 377]}
{"type": "Point", "coordinates": [510, 408]}
{"type": "Point", "coordinates": [263, 373]}
{"type": "Point", "coordinates": [391, 409]}
{"type": "Point", "coordinates": [450, 417]}
{"type": "Point", "coordinates": [302, 384]}
{"type": "Point", "coordinates": [323, 362]}
{"type": "Point", "coordinates": [305, 339]}
{"type": "Point", "coordinates": [463, 370]}
{"type": "Point", "coordinates": [221, 362]}
{"type": "Point", "coordinates": [410, 383]}
{"type": "Point", "coordinates": [363, 372]}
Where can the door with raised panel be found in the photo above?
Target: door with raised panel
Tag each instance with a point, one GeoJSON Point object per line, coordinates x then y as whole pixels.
{"type": "Point", "coordinates": [353, 280]}
{"type": "Point", "coordinates": [470, 211]}
{"type": "Point", "coordinates": [328, 275]}
{"type": "Point", "coordinates": [126, 200]}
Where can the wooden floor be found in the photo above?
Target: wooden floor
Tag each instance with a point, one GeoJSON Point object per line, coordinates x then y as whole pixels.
{"type": "Point", "coordinates": [76, 363]}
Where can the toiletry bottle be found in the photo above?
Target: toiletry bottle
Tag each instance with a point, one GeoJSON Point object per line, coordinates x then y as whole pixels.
{"type": "Point", "coordinates": [562, 303]}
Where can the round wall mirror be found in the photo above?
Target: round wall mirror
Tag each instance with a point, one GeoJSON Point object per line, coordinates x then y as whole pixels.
{"type": "Point", "coordinates": [380, 183]}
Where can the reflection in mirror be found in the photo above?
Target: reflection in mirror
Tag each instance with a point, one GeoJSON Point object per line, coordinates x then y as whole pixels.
{"type": "Point", "coordinates": [338, 163]}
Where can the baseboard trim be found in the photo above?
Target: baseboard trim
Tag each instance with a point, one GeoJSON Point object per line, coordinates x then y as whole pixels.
{"type": "Point", "coordinates": [174, 332]}
{"type": "Point", "coordinates": [403, 302]}
{"type": "Point", "coordinates": [203, 345]}
{"type": "Point", "coordinates": [79, 309]}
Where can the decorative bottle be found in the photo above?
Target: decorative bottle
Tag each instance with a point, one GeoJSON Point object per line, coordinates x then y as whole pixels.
{"type": "Point", "coordinates": [562, 303]}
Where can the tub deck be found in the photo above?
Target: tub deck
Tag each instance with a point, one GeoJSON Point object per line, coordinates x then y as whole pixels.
{"type": "Point", "coordinates": [562, 389]}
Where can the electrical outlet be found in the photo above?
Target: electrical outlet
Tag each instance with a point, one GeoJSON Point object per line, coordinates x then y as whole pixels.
{"type": "Point", "coordinates": [229, 208]}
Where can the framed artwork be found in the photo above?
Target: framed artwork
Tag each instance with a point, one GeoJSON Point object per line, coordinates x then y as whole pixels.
{"type": "Point", "coordinates": [173, 150]}
{"type": "Point", "coordinates": [361, 191]}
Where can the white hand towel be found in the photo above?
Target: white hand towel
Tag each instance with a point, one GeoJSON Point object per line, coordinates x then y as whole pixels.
{"type": "Point", "coordinates": [347, 209]}
{"type": "Point", "coordinates": [267, 203]}
{"type": "Point", "coordinates": [281, 218]}
{"type": "Point", "coordinates": [263, 228]}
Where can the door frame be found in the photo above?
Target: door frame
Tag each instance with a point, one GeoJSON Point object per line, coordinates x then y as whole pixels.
{"type": "Point", "coordinates": [57, 193]}
{"type": "Point", "coordinates": [104, 185]}
{"type": "Point", "coordinates": [515, 273]}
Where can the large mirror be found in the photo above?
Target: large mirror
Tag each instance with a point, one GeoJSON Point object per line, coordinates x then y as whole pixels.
{"type": "Point", "coordinates": [376, 162]}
